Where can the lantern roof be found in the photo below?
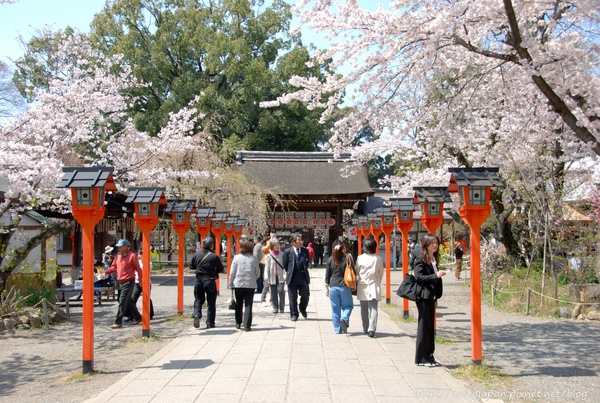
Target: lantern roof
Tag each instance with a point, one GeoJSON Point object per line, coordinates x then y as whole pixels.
{"type": "Point", "coordinates": [427, 194]}
{"type": "Point", "coordinates": [87, 177]}
{"type": "Point", "coordinates": [180, 206]}
{"type": "Point", "coordinates": [403, 204]}
{"type": "Point", "coordinates": [482, 176]}
{"type": "Point", "coordinates": [384, 212]}
{"type": "Point", "coordinates": [147, 195]}
{"type": "Point", "coordinates": [232, 219]}
{"type": "Point", "coordinates": [220, 216]}
{"type": "Point", "coordinates": [205, 211]}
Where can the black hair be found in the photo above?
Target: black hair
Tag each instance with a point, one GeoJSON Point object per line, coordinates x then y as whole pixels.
{"type": "Point", "coordinates": [208, 243]}
{"type": "Point", "coordinates": [369, 245]}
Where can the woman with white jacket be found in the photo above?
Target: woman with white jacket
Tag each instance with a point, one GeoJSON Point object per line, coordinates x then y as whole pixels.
{"type": "Point", "coordinates": [274, 275]}
{"type": "Point", "coordinates": [370, 273]}
{"type": "Point", "coordinates": [242, 278]}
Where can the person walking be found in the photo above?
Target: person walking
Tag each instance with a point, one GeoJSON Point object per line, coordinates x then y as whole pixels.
{"type": "Point", "coordinates": [126, 265]}
{"type": "Point", "coordinates": [274, 275]}
{"type": "Point", "coordinates": [369, 267]}
{"type": "Point", "coordinates": [257, 251]}
{"type": "Point", "coordinates": [137, 291]}
{"type": "Point", "coordinates": [319, 250]}
{"type": "Point", "coordinates": [311, 254]}
{"type": "Point", "coordinates": [207, 266]}
{"type": "Point", "coordinates": [295, 263]}
{"type": "Point", "coordinates": [458, 254]}
{"type": "Point", "coordinates": [427, 276]}
{"type": "Point", "coordinates": [266, 249]}
{"type": "Point", "coordinates": [242, 279]}
{"type": "Point", "coordinates": [340, 295]}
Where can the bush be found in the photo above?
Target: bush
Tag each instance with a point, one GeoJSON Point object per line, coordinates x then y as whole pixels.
{"type": "Point", "coordinates": [11, 301]}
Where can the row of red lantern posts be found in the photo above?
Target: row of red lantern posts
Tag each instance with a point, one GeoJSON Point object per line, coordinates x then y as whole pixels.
{"type": "Point", "coordinates": [88, 187]}
{"type": "Point", "coordinates": [473, 186]}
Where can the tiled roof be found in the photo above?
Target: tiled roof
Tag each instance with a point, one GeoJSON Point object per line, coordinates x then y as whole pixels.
{"type": "Point", "coordinates": [303, 174]}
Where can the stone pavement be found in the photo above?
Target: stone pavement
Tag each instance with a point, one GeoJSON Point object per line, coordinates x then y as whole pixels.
{"type": "Point", "coordinates": [285, 361]}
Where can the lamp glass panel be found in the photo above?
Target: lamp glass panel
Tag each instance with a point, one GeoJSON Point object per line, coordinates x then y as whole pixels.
{"type": "Point", "coordinates": [477, 195]}
{"type": "Point", "coordinates": [201, 220]}
{"type": "Point", "coordinates": [387, 220]}
{"type": "Point", "coordinates": [101, 196]}
{"type": "Point", "coordinates": [405, 215]}
{"type": "Point", "coordinates": [85, 196]}
{"type": "Point", "coordinates": [434, 208]}
{"type": "Point", "coordinates": [180, 217]}
{"type": "Point", "coordinates": [377, 223]}
{"type": "Point", "coordinates": [145, 209]}
{"type": "Point", "coordinates": [463, 195]}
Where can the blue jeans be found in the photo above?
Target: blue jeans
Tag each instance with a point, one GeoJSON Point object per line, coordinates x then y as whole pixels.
{"type": "Point", "coordinates": [341, 306]}
{"type": "Point", "coordinates": [205, 290]}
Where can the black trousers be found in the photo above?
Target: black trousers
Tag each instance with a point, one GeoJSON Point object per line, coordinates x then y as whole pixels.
{"type": "Point", "coordinates": [243, 309]}
{"type": "Point", "coordinates": [137, 292]}
{"type": "Point", "coordinates": [425, 331]}
{"type": "Point", "coordinates": [205, 290]}
{"type": "Point", "coordinates": [126, 304]}
{"type": "Point", "coordinates": [295, 288]}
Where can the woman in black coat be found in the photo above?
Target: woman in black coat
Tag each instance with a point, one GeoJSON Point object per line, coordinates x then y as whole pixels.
{"type": "Point", "coordinates": [429, 278]}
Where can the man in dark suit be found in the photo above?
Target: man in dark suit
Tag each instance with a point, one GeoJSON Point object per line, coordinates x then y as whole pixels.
{"type": "Point", "coordinates": [295, 263]}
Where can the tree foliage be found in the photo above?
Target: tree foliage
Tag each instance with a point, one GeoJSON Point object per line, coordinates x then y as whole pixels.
{"type": "Point", "coordinates": [230, 54]}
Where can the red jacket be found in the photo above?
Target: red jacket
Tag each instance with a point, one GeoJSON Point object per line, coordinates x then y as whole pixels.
{"type": "Point", "coordinates": [126, 266]}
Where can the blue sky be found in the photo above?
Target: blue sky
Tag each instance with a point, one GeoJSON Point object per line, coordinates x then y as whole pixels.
{"type": "Point", "coordinates": [23, 17]}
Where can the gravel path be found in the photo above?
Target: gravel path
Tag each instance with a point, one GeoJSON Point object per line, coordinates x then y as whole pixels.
{"type": "Point", "coordinates": [546, 359]}
{"type": "Point", "coordinates": [45, 365]}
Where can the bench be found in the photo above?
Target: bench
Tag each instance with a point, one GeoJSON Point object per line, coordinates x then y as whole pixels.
{"type": "Point", "coordinates": [67, 290]}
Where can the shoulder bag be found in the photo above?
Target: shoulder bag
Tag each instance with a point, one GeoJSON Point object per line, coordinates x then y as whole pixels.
{"type": "Point", "coordinates": [409, 288]}
{"type": "Point", "coordinates": [349, 274]}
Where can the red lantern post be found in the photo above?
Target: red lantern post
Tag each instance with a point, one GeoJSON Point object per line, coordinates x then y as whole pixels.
{"type": "Point", "coordinates": [204, 217]}
{"type": "Point", "coordinates": [146, 202]}
{"type": "Point", "coordinates": [473, 186]}
{"type": "Point", "coordinates": [432, 201]}
{"type": "Point", "coordinates": [229, 232]}
{"type": "Point", "coordinates": [387, 227]}
{"type": "Point", "coordinates": [218, 228]}
{"type": "Point", "coordinates": [404, 208]}
{"type": "Point", "coordinates": [180, 210]}
{"type": "Point", "coordinates": [87, 190]}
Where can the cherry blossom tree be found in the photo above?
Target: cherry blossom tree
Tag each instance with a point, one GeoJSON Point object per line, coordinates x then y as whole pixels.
{"type": "Point", "coordinates": [460, 69]}
{"type": "Point", "coordinates": [80, 119]}
{"type": "Point", "coordinates": [461, 83]}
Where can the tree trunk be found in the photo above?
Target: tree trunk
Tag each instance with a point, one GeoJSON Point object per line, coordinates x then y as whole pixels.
{"type": "Point", "coordinates": [504, 232]}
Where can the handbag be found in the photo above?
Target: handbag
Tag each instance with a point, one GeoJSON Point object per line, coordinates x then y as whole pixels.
{"type": "Point", "coordinates": [349, 274]}
{"type": "Point", "coordinates": [409, 288]}
{"type": "Point", "coordinates": [232, 303]}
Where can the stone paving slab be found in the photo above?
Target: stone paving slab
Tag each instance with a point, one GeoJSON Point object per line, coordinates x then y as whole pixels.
{"type": "Point", "coordinates": [281, 360]}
